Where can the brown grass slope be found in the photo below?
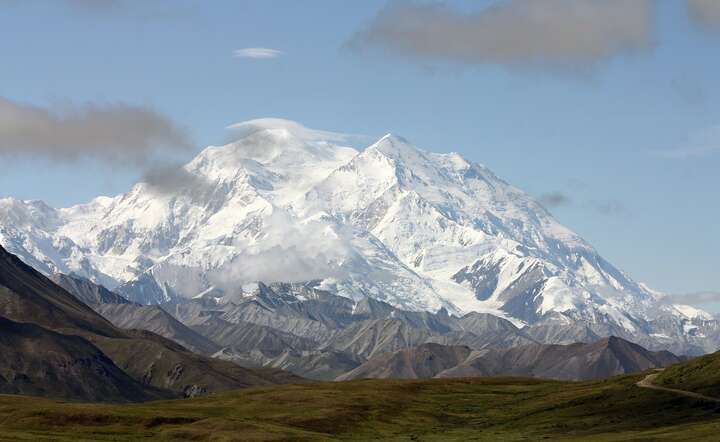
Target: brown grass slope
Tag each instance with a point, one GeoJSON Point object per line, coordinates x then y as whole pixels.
{"type": "Point", "coordinates": [699, 375]}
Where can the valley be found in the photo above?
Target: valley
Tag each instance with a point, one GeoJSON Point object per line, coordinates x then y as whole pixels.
{"type": "Point", "coordinates": [481, 409]}
{"type": "Point", "coordinates": [389, 220]}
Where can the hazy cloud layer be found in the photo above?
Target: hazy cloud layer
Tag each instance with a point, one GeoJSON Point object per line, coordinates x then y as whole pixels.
{"type": "Point", "coordinates": [96, 5]}
{"type": "Point", "coordinates": [141, 10]}
{"type": "Point", "coordinates": [559, 198]}
{"type": "Point", "coordinates": [609, 207]}
{"type": "Point", "coordinates": [705, 13]}
{"type": "Point", "coordinates": [556, 32]}
{"type": "Point", "coordinates": [117, 132]}
{"type": "Point", "coordinates": [260, 53]}
{"type": "Point", "coordinates": [700, 144]}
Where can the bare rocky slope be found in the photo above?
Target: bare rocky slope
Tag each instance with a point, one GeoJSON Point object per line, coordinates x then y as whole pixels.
{"type": "Point", "coordinates": [604, 358]}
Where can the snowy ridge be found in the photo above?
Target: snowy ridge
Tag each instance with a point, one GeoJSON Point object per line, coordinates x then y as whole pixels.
{"type": "Point", "coordinates": [284, 203]}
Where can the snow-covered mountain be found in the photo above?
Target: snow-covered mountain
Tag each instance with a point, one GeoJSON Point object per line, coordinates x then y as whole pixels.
{"type": "Point", "coordinates": [284, 203]}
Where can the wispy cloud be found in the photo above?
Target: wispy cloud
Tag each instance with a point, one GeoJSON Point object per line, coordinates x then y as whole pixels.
{"type": "Point", "coordinates": [695, 298]}
{"type": "Point", "coordinates": [706, 13]}
{"type": "Point", "coordinates": [130, 9]}
{"type": "Point", "coordinates": [563, 33]}
{"type": "Point", "coordinates": [559, 198]}
{"type": "Point", "coordinates": [701, 144]}
{"type": "Point", "coordinates": [167, 178]}
{"type": "Point", "coordinates": [554, 199]}
{"type": "Point", "coordinates": [117, 132]}
{"type": "Point", "coordinates": [691, 152]}
{"type": "Point", "coordinates": [259, 53]}
{"type": "Point", "coordinates": [609, 207]}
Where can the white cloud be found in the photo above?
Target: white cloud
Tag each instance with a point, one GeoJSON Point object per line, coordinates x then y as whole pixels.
{"type": "Point", "coordinates": [695, 298]}
{"type": "Point", "coordinates": [258, 53]}
{"type": "Point", "coordinates": [285, 249]}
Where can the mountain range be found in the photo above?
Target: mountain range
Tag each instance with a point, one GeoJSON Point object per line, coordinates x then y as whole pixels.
{"type": "Point", "coordinates": [110, 349]}
{"type": "Point", "coordinates": [323, 336]}
{"type": "Point", "coordinates": [598, 360]}
{"type": "Point", "coordinates": [419, 231]}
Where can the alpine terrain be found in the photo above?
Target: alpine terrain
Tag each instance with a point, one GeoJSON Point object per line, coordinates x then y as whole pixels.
{"type": "Point", "coordinates": [419, 231]}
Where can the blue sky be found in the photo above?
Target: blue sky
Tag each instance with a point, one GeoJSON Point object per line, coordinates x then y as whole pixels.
{"type": "Point", "coordinates": [625, 149]}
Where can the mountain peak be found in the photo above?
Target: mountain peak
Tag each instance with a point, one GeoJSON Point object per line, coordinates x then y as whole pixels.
{"type": "Point", "coordinates": [393, 222]}
{"type": "Point", "coordinates": [396, 147]}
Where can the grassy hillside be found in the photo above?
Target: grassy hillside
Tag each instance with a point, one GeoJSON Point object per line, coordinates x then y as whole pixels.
{"type": "Point", "coordinates": [482, 409]}
{"type": "Point", "coordinates": [701, 375]}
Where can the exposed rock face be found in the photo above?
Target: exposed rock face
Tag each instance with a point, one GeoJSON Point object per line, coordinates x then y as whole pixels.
{"type": "Point", "coordinates": [424, 361]}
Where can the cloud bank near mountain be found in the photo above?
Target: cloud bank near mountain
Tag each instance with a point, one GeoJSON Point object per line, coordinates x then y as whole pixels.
{"type": "Point", "coordinates": [286, 251]}
{"type": "Point", "coordinates": [564, 33]}
{"type": "Point", "coordinates": [117, 132]}
{"type": "Point", "coordinates": [705, 13]}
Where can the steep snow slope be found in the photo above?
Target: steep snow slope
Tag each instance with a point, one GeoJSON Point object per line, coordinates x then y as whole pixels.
{"type": "Point", "coordinates": [419, 230]}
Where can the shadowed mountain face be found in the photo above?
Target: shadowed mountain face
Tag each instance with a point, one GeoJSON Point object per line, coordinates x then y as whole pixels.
{"type": "Point", "coordinates": [37, 361]}
{"type": "Point", "coordinates": [27, 296]}
{"type": "Point", "coordinates": [88, 344]}
{"type": "Point", "coordinates": [315, 333]}
{"type": "Point", "coordinates": [87, 291]}
{"type": "Point", "coordinates": [154, 319]}
{"type": "Point", "coordinates": [604, 358]}
{"type": "Point", "coordinates": [129, 315]}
